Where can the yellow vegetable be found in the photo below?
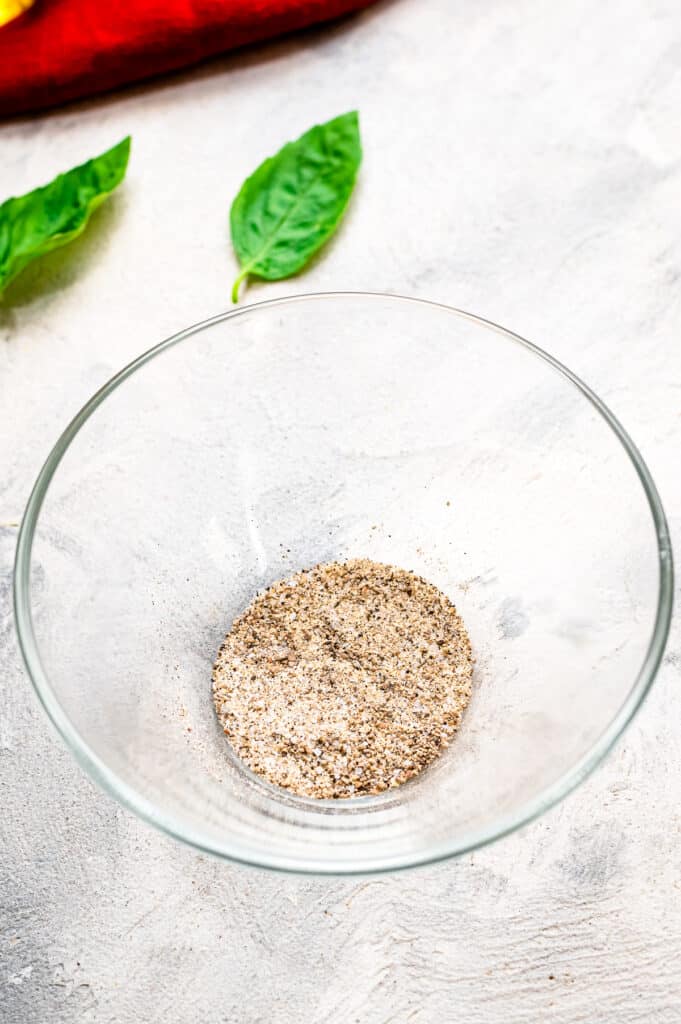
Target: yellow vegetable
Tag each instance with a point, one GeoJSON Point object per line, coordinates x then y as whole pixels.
{"type": "Point", "coordinates": [11, 9]}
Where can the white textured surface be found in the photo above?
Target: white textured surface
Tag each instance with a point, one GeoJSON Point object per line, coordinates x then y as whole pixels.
{"type": "Point", "coordinates": [524, 161]}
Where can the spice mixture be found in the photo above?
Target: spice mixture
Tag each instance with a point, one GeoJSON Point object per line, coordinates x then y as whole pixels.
{"type": "Point", "coordinates": [346, 679]}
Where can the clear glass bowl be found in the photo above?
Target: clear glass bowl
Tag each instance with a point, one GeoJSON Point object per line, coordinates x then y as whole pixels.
{"type": "Point", "coordinates": [325, 427]}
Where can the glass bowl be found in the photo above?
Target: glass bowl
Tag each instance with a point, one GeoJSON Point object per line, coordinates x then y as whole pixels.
{"type": "Point", "coordinates": [326, 427]}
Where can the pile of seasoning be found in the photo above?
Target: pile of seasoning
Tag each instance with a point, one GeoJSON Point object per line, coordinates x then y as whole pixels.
{"type": "Point", "coordinates": [344, 680]}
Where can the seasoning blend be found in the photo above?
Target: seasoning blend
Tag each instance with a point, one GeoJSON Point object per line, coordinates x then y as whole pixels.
{"type": "Point", "coordinates": [344, 680]}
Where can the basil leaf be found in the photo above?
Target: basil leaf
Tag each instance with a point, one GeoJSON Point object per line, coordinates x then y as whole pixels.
{"type": "Point", "coordinates": [53, 215]}
{"type": "Point", "coordinates": [294, 201]}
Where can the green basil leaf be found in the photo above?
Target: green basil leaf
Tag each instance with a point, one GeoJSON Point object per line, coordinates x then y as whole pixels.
{"type": "Point", "coordinates": [53, 215]}
{"type": "Point", "coordinates": [293, 202]}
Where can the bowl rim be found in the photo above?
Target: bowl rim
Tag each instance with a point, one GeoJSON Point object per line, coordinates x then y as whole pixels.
{"type": "Point", "coordinates": [235, 852]}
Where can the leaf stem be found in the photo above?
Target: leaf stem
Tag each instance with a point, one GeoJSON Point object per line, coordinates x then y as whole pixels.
{"type": "Point", "coordinates": [235, 286]}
